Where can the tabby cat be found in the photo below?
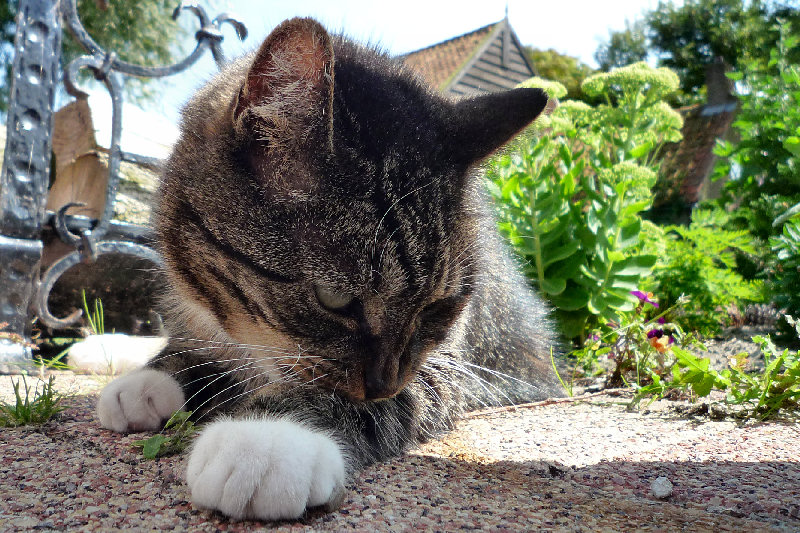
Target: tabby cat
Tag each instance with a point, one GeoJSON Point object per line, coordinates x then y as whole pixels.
{"type": "Point", "coordinates": [338, 290]}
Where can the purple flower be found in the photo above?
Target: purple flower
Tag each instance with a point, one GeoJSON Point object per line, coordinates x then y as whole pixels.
{"type": "Point", "coordinates": [662, 320]}
{"type": "Point", "coordinates": [645, 297]}
{"type": "Point", "coordinates": [657, 333]}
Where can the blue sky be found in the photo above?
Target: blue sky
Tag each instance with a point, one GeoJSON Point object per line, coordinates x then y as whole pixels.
{"type": "Point", "coordinates": [573, 27]}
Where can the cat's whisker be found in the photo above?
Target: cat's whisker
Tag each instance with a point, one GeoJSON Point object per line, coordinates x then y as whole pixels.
{"type": "Point", "coordinates": [501, 375]}
{"type": "Point", "coordinates": [188, 351]}
{"type": "Point", "coordinates": [237, 384]}
{"type": "Point", "coordinates": [482, 382]}
{"type": "Point", "coordinates": [455, 383]}
{"type": "Point", "coordinates": [237, 396]}
{"type": "Point", "coordinates": [219, 375]}
{"type": "Point", "coordinates": [240, 345]}
{"type": "Point", "coordinates": [239, 368]}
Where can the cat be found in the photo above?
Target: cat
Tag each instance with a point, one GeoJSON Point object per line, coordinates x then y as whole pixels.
{"type": "Point", "coordinates": [338, 289]}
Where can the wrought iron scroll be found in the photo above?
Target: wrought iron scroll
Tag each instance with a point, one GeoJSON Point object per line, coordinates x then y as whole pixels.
{"type": "Point", "coordinates": [106, 67]}
{"type": "Point", "coordinates": [26, 168]}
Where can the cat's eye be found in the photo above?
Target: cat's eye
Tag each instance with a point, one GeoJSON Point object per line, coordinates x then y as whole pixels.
{"type": "Point", "coordinates": [438, 308]}
{"type": "Point", "coordinates": [331, 299]}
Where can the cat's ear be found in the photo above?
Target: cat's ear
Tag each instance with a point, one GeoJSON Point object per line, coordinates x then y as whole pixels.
{"type": "Point", "coordinates": [485, 123]}
{"type": "Point", "coordinates": [290, 82]}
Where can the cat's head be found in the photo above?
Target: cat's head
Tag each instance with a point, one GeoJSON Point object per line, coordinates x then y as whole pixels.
{"type": "Point", "coordinates": [322, 202]}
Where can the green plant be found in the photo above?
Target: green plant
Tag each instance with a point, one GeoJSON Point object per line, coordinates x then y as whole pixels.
{"type": "Point", "coordinates": [570, 195]}
{"type": "Point", "coordinates": [761, 395]}
{"type": "Point", "coordinates": [640, 348]}
{"type": "Point", "coordinates": [689, 35]}
{"type": "Point", "coordinates": [764, 165]}
{"type": "Point", "coordinates": [786, 283]}
{"type": "Point", "coordinates": [182, 431]}
{"type": "Point", "coordinates": [55, 363]}
{"type": "Point", "coordinates": [34, 407]}
{"type": "Point", "coordinates": [699, 262]}
{"type": "Point", "coordinates": [94, 317]}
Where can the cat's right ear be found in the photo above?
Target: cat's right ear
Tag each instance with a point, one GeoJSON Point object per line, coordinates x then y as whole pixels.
{"type": "Point", "coordinates": [486, 122]}
{"type": "Point", "coordinates": [289, 84]}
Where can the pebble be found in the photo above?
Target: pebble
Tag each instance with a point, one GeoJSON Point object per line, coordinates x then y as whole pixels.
{"type": "Point", "coordinates": [661, 488]}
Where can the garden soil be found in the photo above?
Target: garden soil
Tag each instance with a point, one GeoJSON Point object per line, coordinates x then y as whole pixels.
{"type": "Point", "coordinates": [582, 464]}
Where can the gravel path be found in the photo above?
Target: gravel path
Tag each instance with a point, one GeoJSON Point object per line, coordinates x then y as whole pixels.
{"type": "Point", "coordinates": [584, 465]}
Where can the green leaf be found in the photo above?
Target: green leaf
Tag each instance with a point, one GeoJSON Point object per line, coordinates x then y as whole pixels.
{"type": "Point", "coordinates": [641, 150]}
{"type": "Point", "coordinates": [636, 265]}
{"type": "Point", "coordinates": [591, 274]}
{"type": "Point", "coordinates": [633, 208]}
{"type": "Point", "coordinates": [509, 186]}
{"type": "Point", "coordinates": [553, 286]}
{"type": "Point", "coordinates": [150, 447]}
{"type": "Point", "coordinates": [597, 304]}
{"type": "Point", "coordinates": [792, 144]}
{"type": "Point", "coordinates": [562, 253]}
{"type": "Point", "coordinates": [704, 385]}
{"type": "Point", "coordinates": [566, 155]}
{"type": "Point", "coordinates": [629, 235]}
{"type": "Point", "coordinates": [615, 256]}
{"type": "Point", "coordinates": [573, 299]}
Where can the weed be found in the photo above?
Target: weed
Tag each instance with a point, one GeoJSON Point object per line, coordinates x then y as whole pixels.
{"type": "Point", "coordinates": [160, 445]}
{"type": "Point", "coordinates": [36, 407]}
{"type": "Point", "coordinates": [640, 348]}
{"type": "Point", "coordinates": [760, 395]}
{"type": "Point", "coordinates": [95, 319]}
{"type": "Point", "coordinates": [55, 363]}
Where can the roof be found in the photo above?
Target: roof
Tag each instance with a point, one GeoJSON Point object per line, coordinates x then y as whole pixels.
{"type": "Point", "coordinates": [438, 62]}
{"type": "Point", "coordinates": [488, 59]}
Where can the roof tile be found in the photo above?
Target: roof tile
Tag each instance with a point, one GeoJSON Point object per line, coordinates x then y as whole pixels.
{"type": "Point", "coordinates": [436, 64]}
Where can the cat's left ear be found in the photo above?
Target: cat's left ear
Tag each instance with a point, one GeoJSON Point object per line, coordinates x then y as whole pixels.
{"type": "Point", "coordinates": [485, 123]}
{"type": "Point", "coordinates": [290, 83]}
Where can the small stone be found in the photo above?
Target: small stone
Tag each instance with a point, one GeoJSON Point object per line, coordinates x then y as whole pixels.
{"type": "Point", "coordinates": [661, 488]}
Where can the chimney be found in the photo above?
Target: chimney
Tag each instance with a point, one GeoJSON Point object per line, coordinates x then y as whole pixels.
{"type": "Point", "coordinates": [719, 88]}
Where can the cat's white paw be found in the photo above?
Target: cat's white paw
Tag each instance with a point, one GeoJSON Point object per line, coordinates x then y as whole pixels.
{"type": "Point", "coordinates": [265, 469]}
{"type": "Point", "coordinates": [139, 401]}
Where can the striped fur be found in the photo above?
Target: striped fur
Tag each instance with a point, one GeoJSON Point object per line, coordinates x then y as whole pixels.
{"type": "Point", "coordinates": [333, 168]}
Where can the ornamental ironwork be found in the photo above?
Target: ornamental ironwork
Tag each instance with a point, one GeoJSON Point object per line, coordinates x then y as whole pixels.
{"type": "Point", "coordinates": [24, 291]}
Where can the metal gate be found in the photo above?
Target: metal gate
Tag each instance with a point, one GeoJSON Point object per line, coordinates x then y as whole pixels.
{"type": "Point", "coordinates": [24, 289]}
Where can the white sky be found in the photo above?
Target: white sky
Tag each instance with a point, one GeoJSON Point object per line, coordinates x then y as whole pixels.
{"type": "Point", "coordinates": [573, 27]}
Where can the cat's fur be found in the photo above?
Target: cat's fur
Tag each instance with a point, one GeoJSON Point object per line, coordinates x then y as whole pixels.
{"type": "Point", "coordinates": [339, 290]}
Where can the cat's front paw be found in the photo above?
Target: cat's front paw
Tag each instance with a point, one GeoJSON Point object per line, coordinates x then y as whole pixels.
{"type": "Point", "coordinates": [139, 401]}
{"type": "Point", "coordinates": [265, 469]}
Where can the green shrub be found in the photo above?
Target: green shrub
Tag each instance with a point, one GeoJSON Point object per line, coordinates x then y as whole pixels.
{"type": "Point", "coordinates": [699, 262]}
{"type": "Point", "coordinates": [764, 165]}
{"type": "Point", "coordinates": [786, 284]}
{"type": "Point", "coordinates": [570, 195]}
